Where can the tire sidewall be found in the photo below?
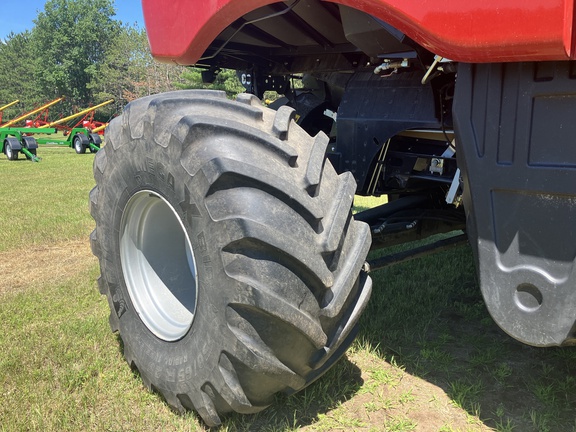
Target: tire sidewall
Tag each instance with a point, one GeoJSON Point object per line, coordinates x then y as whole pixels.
{"type": "Point", "coordinates": [173, 365]}
{"type": "Point", "coordinates": [77, 144]}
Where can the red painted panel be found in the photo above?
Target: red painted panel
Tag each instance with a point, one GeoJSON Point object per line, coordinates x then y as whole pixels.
{"type": "Point", "coordinates": [462, 30]}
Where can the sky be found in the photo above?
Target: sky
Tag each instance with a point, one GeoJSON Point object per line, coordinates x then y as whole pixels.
{"type": "Point", "coordinates": [17, 15]}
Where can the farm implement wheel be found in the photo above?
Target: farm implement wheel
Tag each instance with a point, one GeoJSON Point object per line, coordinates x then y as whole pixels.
{"type": "Point", "coordinates": [29, 148]}
{"type": "Point", "coordinates": [94, 142]}
{"type": "Point", "coordinates": [9, 150]}
{"type": "Point", "coordinates": [80, 143]}
{"type": "Point", "coordinates": [227, 249]}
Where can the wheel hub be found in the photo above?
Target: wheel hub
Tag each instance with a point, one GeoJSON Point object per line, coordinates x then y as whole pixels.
{"type": "Point", "coordinates": [158, 265]}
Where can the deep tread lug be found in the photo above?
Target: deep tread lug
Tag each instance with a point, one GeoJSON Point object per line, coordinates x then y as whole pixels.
{"type": "Point", "coordinates": [354, 314]}
{"type": "Point", "coordinates": [241, 229]}
{"type": "Point", "coordinates": [232, 391]}
{"type": "Point", "coordinates": [316, 163]}
{"type": "Point", "coordinates": [268, 365]}
{"type": "Point", "coordinates": [282, 310]}
{"type": "Point", "coordinates": [248, 99]}
{"type": "Point", "coordinates": [204, 405]}
{"type": "Point", "coordinates": [284, 116]}
{"type": "Point", "coordinates": [339, 293]}
{"type": "Point", "coordinates": [200, 126]}
{"type": "Point", "coordinates": [288, 193]}
{"type": "Point", "coordinates": [339, 213]}
{"type": "Point", "coordinates": [94, 244]}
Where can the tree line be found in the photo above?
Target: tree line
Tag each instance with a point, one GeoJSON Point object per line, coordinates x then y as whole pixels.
{"type": "Point", "coordinates": [77, 49]}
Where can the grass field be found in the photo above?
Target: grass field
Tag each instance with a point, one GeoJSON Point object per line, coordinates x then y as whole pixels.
{"type": "Point", "coordinates": [428, 356]}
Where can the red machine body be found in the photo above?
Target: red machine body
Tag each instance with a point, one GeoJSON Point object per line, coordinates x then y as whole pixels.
{"type": "Point", "coordinates": [468, 31]}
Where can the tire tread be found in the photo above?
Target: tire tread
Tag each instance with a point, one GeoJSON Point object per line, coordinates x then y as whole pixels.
{"type": "Point", "coordinates": [257, 150]}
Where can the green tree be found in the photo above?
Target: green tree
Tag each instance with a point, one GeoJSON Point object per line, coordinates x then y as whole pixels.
{"type": "Point", "coordinates": [17, 79]}
{"type": "Point", "coordinates": [70, 41]}
{"type": "Point", "coordinates": [128, 70]}
{"type": "Point", "coordinates": [115, 78]}
{"type": "Point", "coordinates": [226, 80]}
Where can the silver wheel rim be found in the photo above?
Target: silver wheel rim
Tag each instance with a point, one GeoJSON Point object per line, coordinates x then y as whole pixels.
{"type": "Point", "coordinates": [77, 145]}
{"type": "Point", "coordinates": [8, 151]}
{"type": "Point", "coordinates": [158, 265]}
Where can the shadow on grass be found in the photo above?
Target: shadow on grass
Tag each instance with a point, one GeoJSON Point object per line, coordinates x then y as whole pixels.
{"type": "Point", "coordinates": [430, 316]}
{"type": "Point", "coordinates": [21, 159]}
{"type": "Point", "coordinates": [304, 408]}
{"type": "Point", "coordinates": [337, 385]}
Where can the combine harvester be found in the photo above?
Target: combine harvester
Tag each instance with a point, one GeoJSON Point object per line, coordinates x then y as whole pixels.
{"type": "Point", "coordinates": [16, 140]}
{"type": "Point", "coordinates": [82, 135]}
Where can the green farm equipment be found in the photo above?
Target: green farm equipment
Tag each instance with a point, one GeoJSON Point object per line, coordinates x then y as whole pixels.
{"type": "Point", "coordinates": [14, 141]}
{"type": "Point", "coordinates": [83, 135]}
{"type": "Point", "coordinates": [79, 138]}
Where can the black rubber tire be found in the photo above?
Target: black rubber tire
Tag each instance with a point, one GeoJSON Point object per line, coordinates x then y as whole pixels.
{"type": "Point", "coordinates": [11, 154]}
{"type": "Point", "coordinates": [277, 253]}
{"type": "Point", "coordinates": [96, 141]}
{"type": "Point", "coordinates": [78, 145]}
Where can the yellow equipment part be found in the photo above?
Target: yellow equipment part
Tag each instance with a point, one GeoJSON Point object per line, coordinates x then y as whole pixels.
{"type": "Point", "coordinates": [99, 128]}
{"type": "Point", "coordinates": [73, 116]}
{"type": "Point", "coordinates": [2, 108]}
{"type": "Point", "coordinates": [37, 110]}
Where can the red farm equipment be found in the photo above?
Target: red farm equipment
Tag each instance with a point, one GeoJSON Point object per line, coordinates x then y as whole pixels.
{"type": "Point", "coordinates": [40, 111]}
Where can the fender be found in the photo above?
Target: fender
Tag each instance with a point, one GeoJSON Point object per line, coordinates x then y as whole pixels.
{"type": "Point", "coordinates": [95, 138]}
{"type": "Point", "coordinates": [84, 140]}
{"type": "Point", "coordinates": [29, 142]}
{"type": "Point", "coordinates": [14, 143]}
{"type": "Point", "coordinates": [472, 31]}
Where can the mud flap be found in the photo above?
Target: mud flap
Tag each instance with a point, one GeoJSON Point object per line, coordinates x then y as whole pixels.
{"type": "Point", "coordinates": [516, 131]}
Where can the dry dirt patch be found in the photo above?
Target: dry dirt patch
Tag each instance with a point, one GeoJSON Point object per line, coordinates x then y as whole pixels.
{"type": "Point", "coordinates": [404, 403]}
{"type": "Point", "coordinates": [45, 264]}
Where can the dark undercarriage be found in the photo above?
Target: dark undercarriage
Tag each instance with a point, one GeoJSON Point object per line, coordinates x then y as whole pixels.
{"type": "Point", "coordinates": [433, 135]}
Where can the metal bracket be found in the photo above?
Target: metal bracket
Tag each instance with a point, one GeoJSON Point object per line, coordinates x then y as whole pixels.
{"type": "Point", "coordinates": [438, 246]}
{"type": "Point", "coordinates": [454, 186]}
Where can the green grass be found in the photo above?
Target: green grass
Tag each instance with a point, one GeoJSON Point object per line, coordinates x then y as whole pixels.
{"type": "Point", "coordinates": [45, 202]}
{"type": "Point", "coordinates": [428, 356]}
{"type": "Point", "coordinates": [62, 369]}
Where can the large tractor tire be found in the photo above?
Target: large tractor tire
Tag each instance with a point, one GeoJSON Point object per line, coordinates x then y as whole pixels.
{"type": "Point", "coordinates": [228, 252]}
